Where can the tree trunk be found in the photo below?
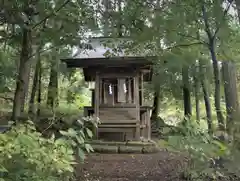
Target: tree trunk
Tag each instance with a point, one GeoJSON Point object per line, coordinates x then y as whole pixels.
{"type": "Point", "coordinates": [231, 95]}
{"type": "Point", "coordinates": [31, 108]}
{"type": "Point", "coordinates": [155, 124]}
{"type": "Point", "coordinates": [196, 89]}
{"type": "Point", "coordinates": [52, 99]}
{"type": "Point", "coordinates": [237, 2]}
{"type": "Point", "coordinates": [156, 104]}
{"type": "Point", "coordinates": [26, 78]}
{"type": "Point", "coordinates": [22, 73]}
{"type": "Point", "coordinates": [39, 88]}
{"type": "Point", "coordinates": [207, 105]}
{"type": "Point", "coordinates": [106, 17]}
{"type": "Point", "coordinates": [211, 46]}
{"type": "Point", "coordinates": [206, 98]}
{"type": "Point", "coordinates": [186, 93]}
{"type": "Point", "coordinates": [120, 33]}
{"type": "Point", "coordinates": [217, 93]}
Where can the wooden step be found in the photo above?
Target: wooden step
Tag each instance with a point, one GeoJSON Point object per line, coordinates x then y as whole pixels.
{"type": "Point", "coordinates": [117, 125]}
{"type": "Point", "coordinates": [115, 130]}
{"type": "Point", "coordinates": [118, 121]}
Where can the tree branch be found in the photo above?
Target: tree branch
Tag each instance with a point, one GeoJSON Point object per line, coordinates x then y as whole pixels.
{"type": "Point", "coordinates": [224, 14]}
{"type": "Point", "coordinates": [184, 45]}
{"type": "Point", "coordinates": [205, 19]}
{"type": "Point", "coordinates": [51, 14]}
{"type": "Point", "coordinates": [42, 51]}
{"type": "Point", "coordinates": [187, 36]}
{"type": "Point", "coordinates": [192, 37]}
{"type": "Point", "coordinates": [2, 40]}
{"type": "Point", "coordinates": [6, 98]}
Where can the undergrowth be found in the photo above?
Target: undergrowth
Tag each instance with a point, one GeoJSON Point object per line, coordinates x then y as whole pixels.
{"type": "Point", "coordinates": [26, 155]}
{"type": "Point", "coordinates": [210, 157]}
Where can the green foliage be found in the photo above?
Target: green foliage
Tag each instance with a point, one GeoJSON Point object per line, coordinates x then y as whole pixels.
{"type": "Point", "coordinates": [77, 93]}
{"type": "Point", "coordinates": [7, 70]}
{"type": "Point", "coordinates": [210, 157]}
{"type": "Point", "coordinates": [81, 132]}
{"type": "Point", "coordinates": [27, 155]}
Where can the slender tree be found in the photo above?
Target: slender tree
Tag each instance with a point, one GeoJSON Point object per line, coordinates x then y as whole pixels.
{"type": "Point", "coordinates": [186, 92]}
{"type": "Point", "coordinates": [197, 90]}
{"type": "Point", "coordinates": [206, 95]}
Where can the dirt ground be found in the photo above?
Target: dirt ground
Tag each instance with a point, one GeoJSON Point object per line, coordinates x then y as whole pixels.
{"type": "Point", "coordinates": [162, 166]}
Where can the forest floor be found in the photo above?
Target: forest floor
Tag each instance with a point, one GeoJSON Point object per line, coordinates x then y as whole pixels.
{"type": "Point", "coordinates": [161, 166]}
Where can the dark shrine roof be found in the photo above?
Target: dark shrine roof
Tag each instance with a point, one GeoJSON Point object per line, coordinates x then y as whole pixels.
{"type": "Point", "coordinates": [92, 65]}
{"type": "Point", "coordinates": [98, 56]}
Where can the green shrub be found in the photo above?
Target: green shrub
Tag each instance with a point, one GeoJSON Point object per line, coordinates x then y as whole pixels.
{"type": "Point", "coordinates": [26, 155]}
{"type": "Point", "coordinates": [207, 154]}
{"type": "Point", "coordinates": [79, 133]}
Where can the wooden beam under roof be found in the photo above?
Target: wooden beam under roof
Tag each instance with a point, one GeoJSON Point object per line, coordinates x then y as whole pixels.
{"type": "Point", "coordinates": [109, 61]}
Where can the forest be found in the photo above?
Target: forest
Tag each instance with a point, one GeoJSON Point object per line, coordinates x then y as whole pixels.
{"type": "Point", "coordinates": [193, 93]}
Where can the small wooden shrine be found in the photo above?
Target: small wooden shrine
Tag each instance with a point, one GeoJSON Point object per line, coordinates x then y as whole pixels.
{"type": "Point", "coordinates": [117, 99]}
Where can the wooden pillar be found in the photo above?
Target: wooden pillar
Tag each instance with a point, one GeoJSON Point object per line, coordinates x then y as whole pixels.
{"type": "Point", "coordinates": [136, 98]}
{"type": "Point", "coordinates": [144, 123]}
{"type": "Point", "coordinates": [114, 87]}
{"type": "Point", "coordinates": [100, 90]}
{"type": "Point", "coordinates": [96, 105]}
{"type": "Point", "coordinates": [93, 98]}
{"type": "Point", "coordinates": [129, 90]}
{"type": "Point", "coordinates": [105, 92]}
{"type": "Point", "coordinates": [141, 89]}
{"type": "Point", "coordinates": [148, 124]}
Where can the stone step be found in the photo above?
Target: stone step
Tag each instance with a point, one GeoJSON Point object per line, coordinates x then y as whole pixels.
{"type": "Point", "coordinates": [124, 147]}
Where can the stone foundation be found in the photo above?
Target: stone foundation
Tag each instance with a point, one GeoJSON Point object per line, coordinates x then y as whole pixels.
{"type": "Point", "coordinates": [124, 147]}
